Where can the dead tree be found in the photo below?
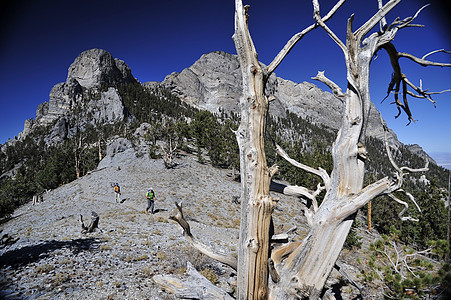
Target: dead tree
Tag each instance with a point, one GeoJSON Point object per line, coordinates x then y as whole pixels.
{"type": "Point", "coordinates": [256, 203]}
{"type": "Point", "coordinates": [169, 150]}
{"type": "Point", "coordinates": [299, 270]}
{"type": "Point", "coordinates": [305, 269]}
{"type": "Point", "coordinates": [92, 226]}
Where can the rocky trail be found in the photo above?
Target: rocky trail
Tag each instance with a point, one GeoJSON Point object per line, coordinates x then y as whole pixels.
{"type": "Point", "coordinates": [52, 259]}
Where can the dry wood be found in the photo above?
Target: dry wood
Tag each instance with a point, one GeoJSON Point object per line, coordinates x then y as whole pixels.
{"type": "Point", "coordinates": [302, 272]}
{"type": "Point", "coordinates": [194, 286]}
{"type": "Point", "coordinates": [256, 204]}
{"type": "Point", "coordinates": [299, 269]}
{"type": "Point", "coordinates": [177, 215]}
{"type": "Point", "coordinates": [92, 226]}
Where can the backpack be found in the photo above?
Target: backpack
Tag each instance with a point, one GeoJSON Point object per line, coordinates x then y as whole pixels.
{"type": "Point", "coordinates": [116, 188]}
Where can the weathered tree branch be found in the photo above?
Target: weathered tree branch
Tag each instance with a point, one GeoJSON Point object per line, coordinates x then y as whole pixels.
{"type": "Point", "coordinates": [377, 17]}
{"type": "Point", "coordinates": [357, 201]}
{"type": "Point", "coordinates": [435, 51]}
{"type": "Point", "coordinates": [195, 286]}
{"type": "Point", "coordinates": [407, 22]}
{"type": "Point", "coordinates": [383, 21]}
{"type": "Point", "coordinates": [177, 215]}
{"type": "Point", "coordinates": [319, 172]}
{"type": "Point", "coordinates": [400, 172]}
{"type": "Point", "coordinates": [297, 37]}
{"type": "Point", "coordinates": [406, 206]}
{"type": "Point", "coordinates": [400, 80]}
{"type": "Point", "coordinates": [336, 90]}
{"type": "Point", "coordinates": [320, 22]}
{"type": "Point", "coordinates": [423, 62]}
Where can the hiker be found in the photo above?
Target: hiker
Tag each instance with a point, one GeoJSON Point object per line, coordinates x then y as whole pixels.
{"type": "Point", "coordinates": [117, 192]}
{"type": "Point", "coordinates": [150, 200]}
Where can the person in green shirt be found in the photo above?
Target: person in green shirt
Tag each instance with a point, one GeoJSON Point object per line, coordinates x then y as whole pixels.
{"type": "Point", "coordinates": [150, 200]}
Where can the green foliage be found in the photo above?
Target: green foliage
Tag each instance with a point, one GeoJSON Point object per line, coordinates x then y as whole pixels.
{"type": "Point", "coordinates": [404, 270]}
{"type": "Point", "coordinates": [353, 239]}
{"type": "Point", "coordinates": [432, 219]}
{"type": "Point", "coordinates": [211, 136]}
{"type": "Point", "coordinates": [217, 138]}
{"type": "Point", "coordinates": [149, 105]}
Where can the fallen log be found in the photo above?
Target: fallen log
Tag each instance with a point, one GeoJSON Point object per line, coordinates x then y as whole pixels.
{"type": "Point", "coordinates": [195, 286]}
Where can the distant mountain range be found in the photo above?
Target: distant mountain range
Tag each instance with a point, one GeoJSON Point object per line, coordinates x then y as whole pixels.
{"type": "Point", "coordinates": [212, 83]}
{"type": "Point", "coordinates": [443, 159]}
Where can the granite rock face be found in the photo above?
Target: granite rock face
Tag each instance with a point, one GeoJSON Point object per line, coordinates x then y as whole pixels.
{"type": "Point", "coordinates": [63, 97]}
{"type": "Point", "coordinates": [91, 71]}
{"type": "Point", "coordinates": [97, 67]}
{"type": "Point", "coordinates": [109, 108]}
{"type": "Point", "coordinates": [214, 82]}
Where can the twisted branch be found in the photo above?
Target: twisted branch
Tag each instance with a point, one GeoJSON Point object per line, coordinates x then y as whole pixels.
{"type": "Point", "coordinates": [399, 80]}
{"type": "Point", "coordinates": [297, 37]}
{"type": "Point", "coordinates": [336, 90]}
{"type": "Point", "coordinates": [319, 172]}
{"type": "Point", "coordinates": [177, 215]}
{"type": "Point", "coordinates": [406, 206]}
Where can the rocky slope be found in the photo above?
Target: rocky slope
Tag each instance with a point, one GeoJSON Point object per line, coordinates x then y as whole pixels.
{"type": "Point", "coordinates": [52, 259]}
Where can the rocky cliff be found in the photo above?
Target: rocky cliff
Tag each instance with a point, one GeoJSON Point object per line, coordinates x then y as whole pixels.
{"type": "Point", "coordinates": [214, 82]}
{"type": "Point", "coordinates": [88, 94]}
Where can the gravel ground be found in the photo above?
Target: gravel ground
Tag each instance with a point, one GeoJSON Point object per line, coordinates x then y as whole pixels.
{"type": "Point", "coordinates": [52, 259]}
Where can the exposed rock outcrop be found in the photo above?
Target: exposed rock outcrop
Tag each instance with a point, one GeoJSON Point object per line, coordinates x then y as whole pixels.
{"type": "Point", "coordinates": [214, 82]}
{"type": "Point", "coordinates": [416, 149]}
{"type": "Point", "coordinates": [109, 108]}
{"type": "Point", "coordinates": [96, 67]}
{"type": "Point", "coordinates": [80, 96]}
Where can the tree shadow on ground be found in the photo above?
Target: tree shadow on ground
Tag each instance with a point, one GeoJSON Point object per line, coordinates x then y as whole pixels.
{"type": "Point", "coordinates": [29, 254]}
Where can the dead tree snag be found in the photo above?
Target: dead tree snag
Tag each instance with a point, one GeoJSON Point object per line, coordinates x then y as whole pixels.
{"type": "Point", "coordinates": [298, 270]}
{"type": "Point", "coordinates": [92, 226]}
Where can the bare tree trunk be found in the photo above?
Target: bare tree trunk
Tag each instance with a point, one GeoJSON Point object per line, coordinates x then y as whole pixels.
{"type": "Point", "coordinates": [100, 148]}
{"type": "Point", "coordinates": [77, 164]}
{"type": "Point", "coordinates": [306, 269]}
{"type": "Point", "coordinates": [77, 153]}
{"type": "Point", "coordinates": [299, 270]}
{"type": "Point", "coordinates": [256, 204]}
{"type": "Point", "coordinates": [369, 216]}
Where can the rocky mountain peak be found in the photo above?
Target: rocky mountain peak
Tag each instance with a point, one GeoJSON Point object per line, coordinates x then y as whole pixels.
{"type": "Point", "coordinates": [418, 150]}
{"type": "Point", "coordinates": [214, 82]}
{"type": "Point", "coordinates": [91, 70]}
{"type": "Point", "coordinates": [97, 67]}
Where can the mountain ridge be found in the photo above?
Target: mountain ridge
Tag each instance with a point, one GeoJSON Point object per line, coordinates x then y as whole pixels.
{"type": "Point", "coordinates": [211, 83]}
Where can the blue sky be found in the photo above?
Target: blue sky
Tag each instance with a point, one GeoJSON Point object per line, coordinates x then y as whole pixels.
{"type": "Point", "coordinates": [40, 39]}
